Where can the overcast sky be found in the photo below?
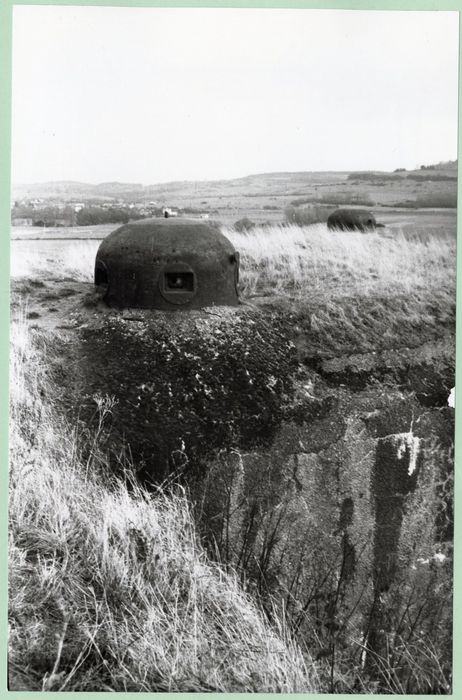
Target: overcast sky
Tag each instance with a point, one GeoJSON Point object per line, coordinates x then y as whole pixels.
{"type": "Point", "coordinates": [152, 95]}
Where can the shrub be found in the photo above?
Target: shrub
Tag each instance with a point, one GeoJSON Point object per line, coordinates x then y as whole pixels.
{"type": "Point", "coordinates": [303, 200]}
{"type": "Point", "coordinates": [430, 178]}
{"type": "Point", "coordinates": [244, 224]}
{"type": "Point", "coordinates": [437, 200]}
{"type": "Point", "coordinates": [371, 176]}
{"type": "Point", "coordinates": [91, 216]}
{"type": "Point", "coordinates": [306, 216]}
{"type": "Point", "coordinates": [348, 198]}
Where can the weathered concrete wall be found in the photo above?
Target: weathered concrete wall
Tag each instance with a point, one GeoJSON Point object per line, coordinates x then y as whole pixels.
{"type": "Point", "coordinates": [331, 516]}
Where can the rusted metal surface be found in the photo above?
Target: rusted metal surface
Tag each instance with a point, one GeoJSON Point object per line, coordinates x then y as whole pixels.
{"type": "Point", "coordinates": [168, 264]}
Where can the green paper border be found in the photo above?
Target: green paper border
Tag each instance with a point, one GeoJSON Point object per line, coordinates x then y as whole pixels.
{"type": "Point", "coordinates": [5, 118]}
{"type": "Point", "coordinates": [5, 162]}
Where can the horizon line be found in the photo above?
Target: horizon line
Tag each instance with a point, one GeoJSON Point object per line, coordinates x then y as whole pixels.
{"type": "Point", "coordinates": [218, 179]}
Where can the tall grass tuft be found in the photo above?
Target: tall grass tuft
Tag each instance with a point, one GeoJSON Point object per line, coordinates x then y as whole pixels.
{"type": "Point", "coordinates": [110, 589]}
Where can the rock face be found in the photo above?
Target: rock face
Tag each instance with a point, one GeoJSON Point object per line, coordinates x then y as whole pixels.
{"type": "Point", "coordinates": [336, 514]}
{"type": "Point", "coordinates": [428, 370]}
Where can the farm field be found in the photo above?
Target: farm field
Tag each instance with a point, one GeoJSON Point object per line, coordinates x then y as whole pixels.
{"type": "Point", "coordinates": [60, 232]}
{"type": "Point", "coordinates": [348, 344]}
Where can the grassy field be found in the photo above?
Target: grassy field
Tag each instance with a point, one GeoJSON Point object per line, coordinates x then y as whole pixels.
{"type": "Point", "coordinates": [110, 587]}
{"type": "Point", "coordinates": [308, 261]}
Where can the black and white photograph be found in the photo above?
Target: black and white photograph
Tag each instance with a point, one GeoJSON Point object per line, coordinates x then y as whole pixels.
{"type": "Point", "coordinates": [232, 350]}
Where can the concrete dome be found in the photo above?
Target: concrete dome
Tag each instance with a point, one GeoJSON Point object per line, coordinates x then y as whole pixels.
{"type": "Point", "coordinates": [168, 264]}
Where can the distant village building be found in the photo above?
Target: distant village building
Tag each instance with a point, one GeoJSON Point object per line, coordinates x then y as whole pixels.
{"type": "Point", "coordinates": [169, 212]}
{"type": "Point", "coordinates": [202, 216]}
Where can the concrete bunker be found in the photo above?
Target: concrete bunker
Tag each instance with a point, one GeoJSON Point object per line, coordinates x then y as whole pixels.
{"type": "Point", "coordinates": [168, 264]}
{"type": "Point", "coordinates": [352, 220]}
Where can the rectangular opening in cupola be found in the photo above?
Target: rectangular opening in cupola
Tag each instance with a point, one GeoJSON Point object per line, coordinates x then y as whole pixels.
{"type": "Point", "coordinates": [179, 281]}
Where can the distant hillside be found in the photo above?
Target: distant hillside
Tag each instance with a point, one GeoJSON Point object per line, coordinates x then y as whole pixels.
{"type": "Point", "coordinates": [277, 183]}
{"type": "Point", "coordinates": [439, 171]}
{"type": "Point", "coordinates": [70, 189]}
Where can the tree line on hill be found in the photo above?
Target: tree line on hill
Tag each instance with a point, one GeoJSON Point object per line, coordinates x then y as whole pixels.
{"type": "Point", "coordinates": [87, 216]}
{"type": "Point", "coordinates": [387, 177]}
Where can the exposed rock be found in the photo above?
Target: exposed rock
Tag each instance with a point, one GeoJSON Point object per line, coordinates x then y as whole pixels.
{"type": "Point", "coordinates": [428, 370]}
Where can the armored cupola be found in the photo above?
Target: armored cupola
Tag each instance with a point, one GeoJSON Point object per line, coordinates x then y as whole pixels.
{"type": "Point", "coordinates": [352, 220]}
{"type": "Point", "coordinates": [168, 264]}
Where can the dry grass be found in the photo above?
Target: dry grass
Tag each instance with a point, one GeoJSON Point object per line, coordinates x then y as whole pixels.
{"type": "Point", "coordinates": [109, 588]}
{"type": "Point", "coordinates": [312, 261]}
{"type": "Point", "coordinates": [348, 292]}
{"type": "Point", "coordinates": [298, 262]}
{"type": "Point", "coordinates": [75, 259]}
